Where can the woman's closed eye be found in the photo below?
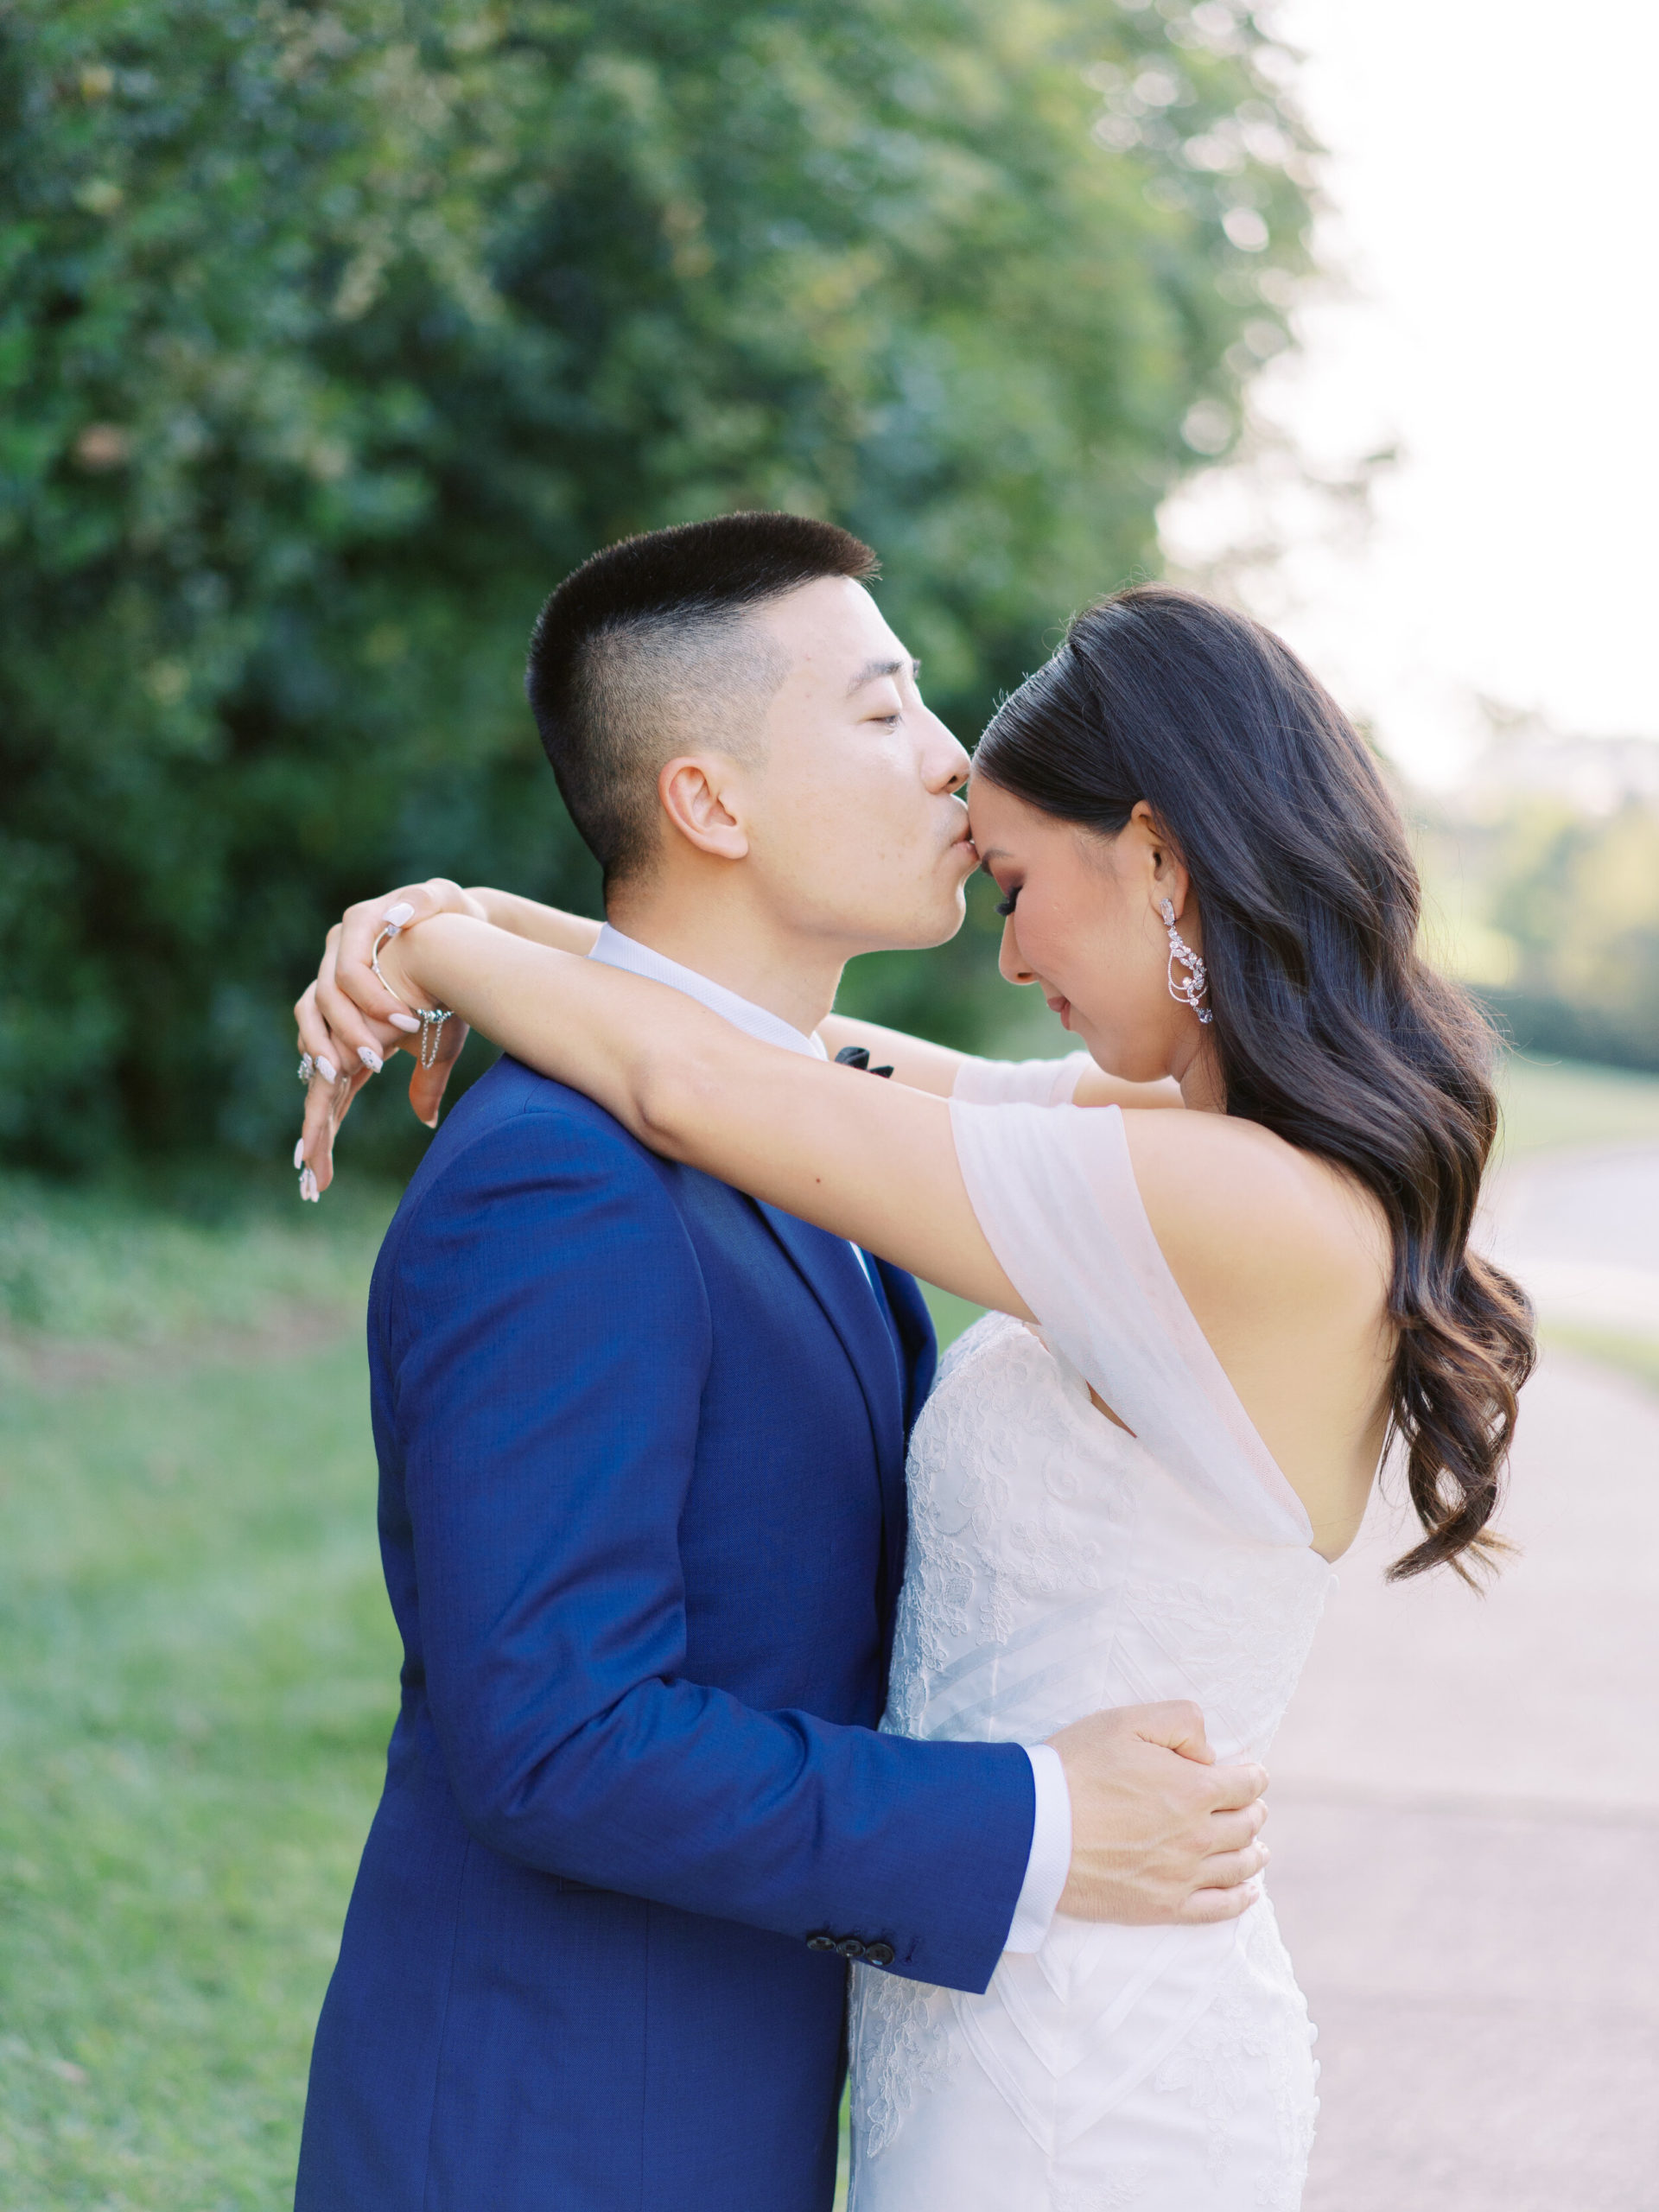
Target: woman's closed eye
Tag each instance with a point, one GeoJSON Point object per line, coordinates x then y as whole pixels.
{"type": "Point", "coordinates": [1006, 907]}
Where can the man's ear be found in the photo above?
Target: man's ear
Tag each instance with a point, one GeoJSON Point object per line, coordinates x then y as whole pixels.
{"type": "Point", "coordinates": [693, 791]}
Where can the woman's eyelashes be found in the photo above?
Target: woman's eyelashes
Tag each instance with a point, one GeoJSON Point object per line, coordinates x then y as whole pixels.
{"type": "Point", "coordinates": [1006, 907]}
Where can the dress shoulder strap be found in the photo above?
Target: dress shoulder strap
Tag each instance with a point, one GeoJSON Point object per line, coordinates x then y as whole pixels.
{"type": "Point", "coordinates": [1155, 1281]}
{"type": "Point", "coordinates": [1054, 1191]}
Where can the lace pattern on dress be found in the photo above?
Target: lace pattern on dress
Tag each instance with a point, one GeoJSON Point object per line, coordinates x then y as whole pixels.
{"type": "Point", "coordinates": [898, 2031]}
{"type": "Point", "coordinates": [1253, 2034]}
{"type": "Point", "coordinates": [986, 1541]}
{"type": "Point", "coordinates": [1241, 1632]}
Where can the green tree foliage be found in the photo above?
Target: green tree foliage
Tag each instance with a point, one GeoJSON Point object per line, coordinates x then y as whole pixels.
{"type": "Point", "coordinates": [1576, 896]}
{"type": "Point", "coordinates": [332, 335]}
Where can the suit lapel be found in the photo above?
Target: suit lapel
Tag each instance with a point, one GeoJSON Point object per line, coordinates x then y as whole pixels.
{"type": "Point", "coordinates": [836, 1276]}
{"type": "Point", "coordinates": [918, 1348]}
{"type": "Point", "coordinates": [919, 1360]}
{"type": "Point", "coordinates": [890, 1343]}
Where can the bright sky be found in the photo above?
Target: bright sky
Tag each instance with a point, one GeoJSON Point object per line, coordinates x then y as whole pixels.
{"type": "Point", "coordinates": [1490, 168]}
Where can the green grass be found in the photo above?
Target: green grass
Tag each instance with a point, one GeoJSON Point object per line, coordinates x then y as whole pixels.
{"type": "Point", "coordinates": [1636, 1356]}
{"type": "Point", "coordinates": [138, 1266]}
{"type": "Point", "coordinates": [197, 1675]}
{"type": "Point", "coordinates": [1552, 1105]}
{"type": "Point", "coordinates": [951, 1314]}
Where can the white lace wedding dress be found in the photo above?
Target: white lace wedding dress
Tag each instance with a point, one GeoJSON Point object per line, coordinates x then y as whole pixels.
{"type": "Point", "coordinates": [1058, 1565]}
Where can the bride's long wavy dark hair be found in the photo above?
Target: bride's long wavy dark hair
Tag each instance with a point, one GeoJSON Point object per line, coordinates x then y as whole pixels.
{"type": "Point", "coordinates": [1329, 1027]}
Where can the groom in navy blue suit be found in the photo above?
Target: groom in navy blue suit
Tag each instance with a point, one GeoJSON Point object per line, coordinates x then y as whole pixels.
{"type": "Point", "coordinates": [642, 1506]}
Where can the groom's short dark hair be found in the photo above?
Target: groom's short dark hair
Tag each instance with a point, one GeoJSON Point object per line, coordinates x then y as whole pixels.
{"type": "Point", "coordinates": [645, 647]}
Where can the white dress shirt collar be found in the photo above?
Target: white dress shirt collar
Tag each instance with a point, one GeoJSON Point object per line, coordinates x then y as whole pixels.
{"type": "Point", "coordinates": [618, 952]}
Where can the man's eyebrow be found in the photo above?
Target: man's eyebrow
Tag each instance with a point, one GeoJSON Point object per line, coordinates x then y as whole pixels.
{"type": "Point", "coordinates": [872, 669]}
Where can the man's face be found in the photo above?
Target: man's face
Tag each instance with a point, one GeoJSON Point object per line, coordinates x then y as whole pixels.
{"type": "Point", "coordinates": [853, 828]}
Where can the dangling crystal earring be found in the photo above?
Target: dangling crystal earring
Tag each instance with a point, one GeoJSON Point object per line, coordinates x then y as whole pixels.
{"type": "Point", "coordinates": [1193, 986]}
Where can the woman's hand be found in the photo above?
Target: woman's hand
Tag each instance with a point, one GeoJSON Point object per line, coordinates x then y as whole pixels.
{"type": "Point", "coordinates": [349, 1024]}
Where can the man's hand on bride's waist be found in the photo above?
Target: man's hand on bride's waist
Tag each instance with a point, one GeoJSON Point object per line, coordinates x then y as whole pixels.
{"type": "Point", "coordinates": [1160, 1834]}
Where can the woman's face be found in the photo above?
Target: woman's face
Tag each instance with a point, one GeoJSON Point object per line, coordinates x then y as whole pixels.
{"type": "Point", "coordinates": [1085, 926]}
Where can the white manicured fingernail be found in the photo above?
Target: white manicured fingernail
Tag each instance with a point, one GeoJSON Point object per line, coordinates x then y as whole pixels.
{"type": "Point", "coordinates": [328, 1071]}
{"type": "Point", "coordinates": [398, 915]}
{"type": "Point", "coordinates": [406, 1022]}
{"type": "Point", "coordinates": [299, 1154]}
{"type": "Point", "coordinates": [371, 1059]}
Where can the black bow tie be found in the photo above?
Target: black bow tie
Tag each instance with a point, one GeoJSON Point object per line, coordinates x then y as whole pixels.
{"type": "Point", "coordinates": [858, 1056]}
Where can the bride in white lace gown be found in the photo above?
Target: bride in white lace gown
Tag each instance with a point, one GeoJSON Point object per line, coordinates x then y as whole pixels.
{"type": "Point", "coordinates": [1207, 1315]}
{"type": "Point", "coordinates": [1058, 1565]}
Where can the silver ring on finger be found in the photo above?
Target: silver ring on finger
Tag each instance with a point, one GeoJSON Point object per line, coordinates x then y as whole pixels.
{"type": "Point", "coordinates": [308, 1067]}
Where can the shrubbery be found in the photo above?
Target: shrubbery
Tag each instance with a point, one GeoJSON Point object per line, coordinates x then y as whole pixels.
{"type": "Point", "coordinates": [1573, 899]}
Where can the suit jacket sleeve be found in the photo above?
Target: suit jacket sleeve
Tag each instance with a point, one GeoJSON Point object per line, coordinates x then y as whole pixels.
{"type": "Point", "coordinates": [546, 1340]}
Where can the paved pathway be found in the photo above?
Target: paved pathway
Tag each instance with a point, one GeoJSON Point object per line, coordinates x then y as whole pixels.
{"type": "Point", "coordinates": [1582, 1232]}
{"type": "Point", "coordinates": [1465, 1796]}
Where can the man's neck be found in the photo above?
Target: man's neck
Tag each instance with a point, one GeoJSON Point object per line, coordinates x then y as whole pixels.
{"type": "Point", "coordinates": [794, 979]}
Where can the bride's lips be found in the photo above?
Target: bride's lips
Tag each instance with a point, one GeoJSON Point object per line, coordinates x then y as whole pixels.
{"type": "Point", "coordinates": [1063, 1007]}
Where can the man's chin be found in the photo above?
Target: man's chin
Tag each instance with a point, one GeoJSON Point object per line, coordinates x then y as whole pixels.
{"type": "Point", "coordinates": [944, 924]}
{"type": "Point", "coordinates": [916, 931]}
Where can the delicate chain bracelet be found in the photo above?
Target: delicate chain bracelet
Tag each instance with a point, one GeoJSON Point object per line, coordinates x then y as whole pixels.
{"type": "Point", "coordinates": [431, 1017]}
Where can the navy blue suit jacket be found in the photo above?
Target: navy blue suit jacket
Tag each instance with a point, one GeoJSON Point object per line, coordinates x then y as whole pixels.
{"type": "Point", "coordinates": [642, 1514]}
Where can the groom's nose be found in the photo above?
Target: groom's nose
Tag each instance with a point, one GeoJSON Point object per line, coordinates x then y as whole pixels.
{"type": "Point", "coordinates": [945, 763]}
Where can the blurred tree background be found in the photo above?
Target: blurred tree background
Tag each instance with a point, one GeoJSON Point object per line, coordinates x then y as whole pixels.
{"type": "Point", "coordinates": [1542, 875]}
{"type": "Point", "coordinates": [1574, 899]}
{"type": "Point", "coordinates": [334, 334]}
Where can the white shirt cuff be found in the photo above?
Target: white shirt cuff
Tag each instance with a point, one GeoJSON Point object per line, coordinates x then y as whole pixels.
{"type": "Point", "coordinates": [1051, 1851]}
